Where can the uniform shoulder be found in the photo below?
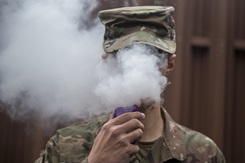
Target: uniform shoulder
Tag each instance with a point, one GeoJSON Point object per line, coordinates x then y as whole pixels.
{"type": "Point", "coordinates": [200, 146]}
{"type": "Point", "coordinates": [92, 125]}
{"type": "Point", "coordinates": [75, 142]}
{"type": "Point", "coordinates": [193, 137]}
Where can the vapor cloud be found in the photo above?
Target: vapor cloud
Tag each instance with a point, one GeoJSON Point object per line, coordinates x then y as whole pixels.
{"type": "Point", "coordinates": [47, 59]}
{"type": "Point", "coordinates": [50, 62]}
{"type": "Point", "coordinates": [134, 75]}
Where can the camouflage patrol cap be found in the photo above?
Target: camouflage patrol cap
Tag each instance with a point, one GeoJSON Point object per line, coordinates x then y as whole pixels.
{"type": "Point", "coordinates": [152, 25]}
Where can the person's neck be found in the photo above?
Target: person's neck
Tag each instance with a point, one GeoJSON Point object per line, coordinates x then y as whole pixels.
{"type": "Point", "coordinates": [153, 123]}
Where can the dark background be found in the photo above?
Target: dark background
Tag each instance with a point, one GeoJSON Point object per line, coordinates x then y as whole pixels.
{"type": "Point", "coordinates": [207, 91]}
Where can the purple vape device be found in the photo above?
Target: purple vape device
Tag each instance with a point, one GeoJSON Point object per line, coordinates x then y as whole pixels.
{"type": "Point", "coordinates": [121, 110]}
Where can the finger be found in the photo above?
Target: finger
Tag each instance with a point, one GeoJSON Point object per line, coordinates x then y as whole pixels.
{"type": "Point", "coordinates": [131, 125]}
{"type": "Point", "coordinates": [134, 149]}
{"type": "Point", "coordinates": [134, 135]}
{"type": "Point", "coordinates": [127, 116]}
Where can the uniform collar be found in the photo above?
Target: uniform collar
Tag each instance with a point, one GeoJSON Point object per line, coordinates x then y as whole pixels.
{"type": "Point", "coordinates": [172, 140]}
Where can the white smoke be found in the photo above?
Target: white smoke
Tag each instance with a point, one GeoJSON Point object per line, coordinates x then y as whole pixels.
{"type": "Point", "coordinates": [50, 62]}
{"type": "Point", "coordinates": [134, 76]}
{"type": "Point", "coordinates": [46, 62]}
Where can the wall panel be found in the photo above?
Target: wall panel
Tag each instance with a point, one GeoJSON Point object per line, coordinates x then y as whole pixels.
{"type": "Point", "coordinates": [235, 144]}
{"type": "Point", "coordinates": [199, 90]}
{"type": "Point", "coordinates": [239, 106]}
{"type": "Point", "coordinates": [239, 18]}
{"type": "Point", "coordinates": [201, 18]}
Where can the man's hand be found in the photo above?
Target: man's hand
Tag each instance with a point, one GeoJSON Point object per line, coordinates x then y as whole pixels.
{"type": "Point", "coordinates": [114, 141]}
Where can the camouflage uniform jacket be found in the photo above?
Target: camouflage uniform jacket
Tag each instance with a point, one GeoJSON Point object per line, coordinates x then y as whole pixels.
{"type": "Point", "coordinates": [178, 144]}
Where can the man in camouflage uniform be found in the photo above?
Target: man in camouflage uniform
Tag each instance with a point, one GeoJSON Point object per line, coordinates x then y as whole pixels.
{"type": "Point", "coordinates": [159, 138]}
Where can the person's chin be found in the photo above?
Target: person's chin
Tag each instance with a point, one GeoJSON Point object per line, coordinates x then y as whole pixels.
{"type": "Point", "coordinates": [147, 103]}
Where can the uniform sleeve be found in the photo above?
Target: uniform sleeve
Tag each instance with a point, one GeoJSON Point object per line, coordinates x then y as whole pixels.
{"type": "Point", "coordinates": [220, 157]}
{"type": "Point", "coordinates": [72, 143]}
{"type": "Point", "coordinates": [51, 152]}
{"type": "Point", "coordinates": [85, 160]}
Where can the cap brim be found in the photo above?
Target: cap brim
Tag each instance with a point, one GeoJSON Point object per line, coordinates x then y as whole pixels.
{"type": "Point", "coordinates": [164, 44]}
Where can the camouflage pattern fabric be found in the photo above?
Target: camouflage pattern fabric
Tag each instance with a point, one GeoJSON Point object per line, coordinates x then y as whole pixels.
{"type": "Point", "coordinates": [152, 25]}
{"type": "Point", "coordinates": [178, 144]}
